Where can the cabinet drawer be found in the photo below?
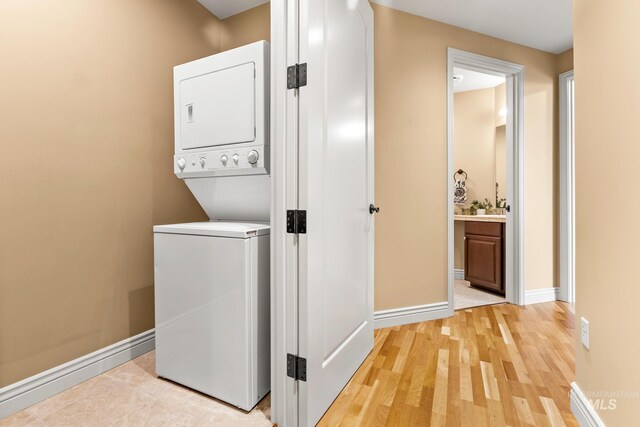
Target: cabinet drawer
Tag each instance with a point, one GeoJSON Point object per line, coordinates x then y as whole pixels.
{"type": "Point", "coordinates": [483, 228]}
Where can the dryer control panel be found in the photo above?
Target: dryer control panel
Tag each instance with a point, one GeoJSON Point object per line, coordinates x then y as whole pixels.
{"type": "Point", "coordinates": [226, 161]}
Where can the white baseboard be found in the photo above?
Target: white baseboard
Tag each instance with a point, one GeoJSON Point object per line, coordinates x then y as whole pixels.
{"type": "Point", "coordinates": [582, 409]}
{"type": "Point", "coordinates": [458, 273]}
{"type": "Point", "coordinates": [21, 395]}
{"type": "Point", "coordinates": [414, 314]}
{"type": "Point", "coordinates": [536, 296]}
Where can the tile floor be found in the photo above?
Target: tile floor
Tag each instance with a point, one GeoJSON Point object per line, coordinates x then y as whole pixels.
{"type": "Point", "coordinates": [465, 296]}
{"type": "Point", "coordinates": [132, 395]}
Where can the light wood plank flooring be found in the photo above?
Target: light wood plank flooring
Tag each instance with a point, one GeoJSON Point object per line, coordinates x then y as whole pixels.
{"type": "Point", "coordinates": [487, 366]}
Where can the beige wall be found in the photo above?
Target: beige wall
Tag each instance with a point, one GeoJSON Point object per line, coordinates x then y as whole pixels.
{"type": "Point", "coordinates": [501, 161]}
{"type": "Point", "coordinates": [86, 132]}
{"type": "Point", "coordinates": [411, 150]}
{"type": "Point", "coordinates": [246, 27]}
{"type": "Point", "coordinates": [564, 61]}
{"type": "Point", "coordinates": [607, 135]}
{"type": "Point", "coordinates": [501, 141]}
{"type": "Point", "coordinates": [474, 135]}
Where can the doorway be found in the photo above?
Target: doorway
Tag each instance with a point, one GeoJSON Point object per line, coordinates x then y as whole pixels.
{"type": "Point", "coordinates": [567, 189]}
{"type": "Point", "coordinates": [480, 164]}
{"type": "Point", "coordinates": [501, 244]}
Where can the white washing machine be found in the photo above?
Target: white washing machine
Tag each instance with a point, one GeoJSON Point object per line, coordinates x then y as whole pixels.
{"type": "Point", "coordinates": [212, 308]}
{"type": "Point", "coordinates": [212, 278]}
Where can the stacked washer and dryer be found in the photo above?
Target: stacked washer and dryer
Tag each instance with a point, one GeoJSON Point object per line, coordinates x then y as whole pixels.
{"type": "Point", "coordinates": [212, 278]}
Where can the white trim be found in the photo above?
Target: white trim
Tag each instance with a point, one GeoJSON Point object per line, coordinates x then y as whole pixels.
{"type": "Point", "coordinates": [567, 184]}
{"type": "Point", "coordinates": [284, 195]}
{"type": "Point", "coordinates": [283, 108]}
{"type": "Point", "coordinates": [458, 273]}
{"type": "Point", "coordinates": [582, 409]}
{"type": "Point", "coordinates": [21, 395]}
{"type": "Point", "coordinates": [536, 296]}
{"type": "Point", "coordinates": [515, 290]}
{"type": "Point", "coordinates": [414, 314]}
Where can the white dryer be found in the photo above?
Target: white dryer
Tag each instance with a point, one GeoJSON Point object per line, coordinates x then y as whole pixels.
{"type": "Point", "coordinates": [221, 113]}
{"type": "Point", "coordinates": [212, 308]}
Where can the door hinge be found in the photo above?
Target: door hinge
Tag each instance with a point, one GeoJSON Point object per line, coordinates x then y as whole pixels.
{"type": "Point", "coordinates": [297, 222]}
{"type": "Point", "coordinates": [296, 76]}
{"type": "Point", "coordinates": [297, 367]}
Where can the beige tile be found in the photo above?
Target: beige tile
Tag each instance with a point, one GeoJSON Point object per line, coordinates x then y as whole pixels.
{"type": "Point", "coordinates": [181, 397]}
{"type": "Point", "coordinates": [140, 374]}
{"type": "Point", "coordinates": [154, 413]}
{"type": "Point", "coordinates": [147, 362]}
{"type": "Point", "coordinates": [253, 419]}
{"type": "Point", "coordinates": [132, 374]}
{"type": "Point", "coordinates": [132, 395]}
{"type": "Point", "coordinates": [20, 419]}
{"type": "Point", "coordinates": [99, 384]}
{"type": "Point", "coordinates": [102, 408]}
{"type": "Point", "coordinates": [465, 296]}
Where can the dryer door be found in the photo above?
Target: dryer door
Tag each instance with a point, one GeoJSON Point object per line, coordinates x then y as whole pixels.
{"type": "Point", "coordinates": [218, 108]}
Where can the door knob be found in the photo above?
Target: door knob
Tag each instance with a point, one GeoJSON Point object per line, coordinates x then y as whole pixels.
{"type": "Point", "coordinates": [373, 209]}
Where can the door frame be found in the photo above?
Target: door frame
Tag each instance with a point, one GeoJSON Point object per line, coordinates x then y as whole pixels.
{"type": "Point", "coordinates": [514, 73]}
{"type": "Point", "coordinates": [567, 187]}
{"type": "Point", "coordinates": [283, 169]}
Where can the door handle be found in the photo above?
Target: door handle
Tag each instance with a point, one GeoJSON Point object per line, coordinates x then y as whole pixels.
{"type": "Point", "coordinates": [508, 208]}
{"type": "Point", "coordinates": [373, 209]}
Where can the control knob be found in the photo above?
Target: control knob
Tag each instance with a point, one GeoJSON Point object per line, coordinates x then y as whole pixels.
{"type": "Point", "coordinates": [236, 158]}
{"type": "Point", "coordinates": [224, 159]}
{"type": "Point", "coordinates": [253, 157]}
{"type": "Point", "coordinates": [202, 161]}
{"type": "Point", "coordinates": [181, 163]}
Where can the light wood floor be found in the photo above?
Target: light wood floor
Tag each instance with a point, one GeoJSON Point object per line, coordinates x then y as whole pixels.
{"type": "Point", "coordinates": [495, 365]}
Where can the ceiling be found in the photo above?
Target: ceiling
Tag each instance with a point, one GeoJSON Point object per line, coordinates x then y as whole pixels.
{"type": "Point", "coordinates": [226, 8]}
{"type": "Point", "coordinates": [541, 24]}
{"type": "Point", "coordinates": [472, 80]}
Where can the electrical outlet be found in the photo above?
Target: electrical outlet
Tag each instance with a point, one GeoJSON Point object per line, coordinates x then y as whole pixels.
{"type": "Point", "coordinates": [584, 332]}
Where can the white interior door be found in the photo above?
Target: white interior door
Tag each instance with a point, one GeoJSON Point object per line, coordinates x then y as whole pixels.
{"type": "Point", "coordinates": [335, 188]}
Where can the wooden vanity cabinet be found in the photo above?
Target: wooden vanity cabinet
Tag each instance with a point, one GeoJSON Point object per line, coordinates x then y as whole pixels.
{"type": "Point", "coordinates": [484, 249]}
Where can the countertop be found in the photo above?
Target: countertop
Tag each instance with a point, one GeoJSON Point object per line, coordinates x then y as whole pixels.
{"type": "Point", "coordinates": [481, 218]}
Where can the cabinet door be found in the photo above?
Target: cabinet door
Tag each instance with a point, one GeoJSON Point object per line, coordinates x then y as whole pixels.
{"type": "Point", "coordinates": [483, 262]}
